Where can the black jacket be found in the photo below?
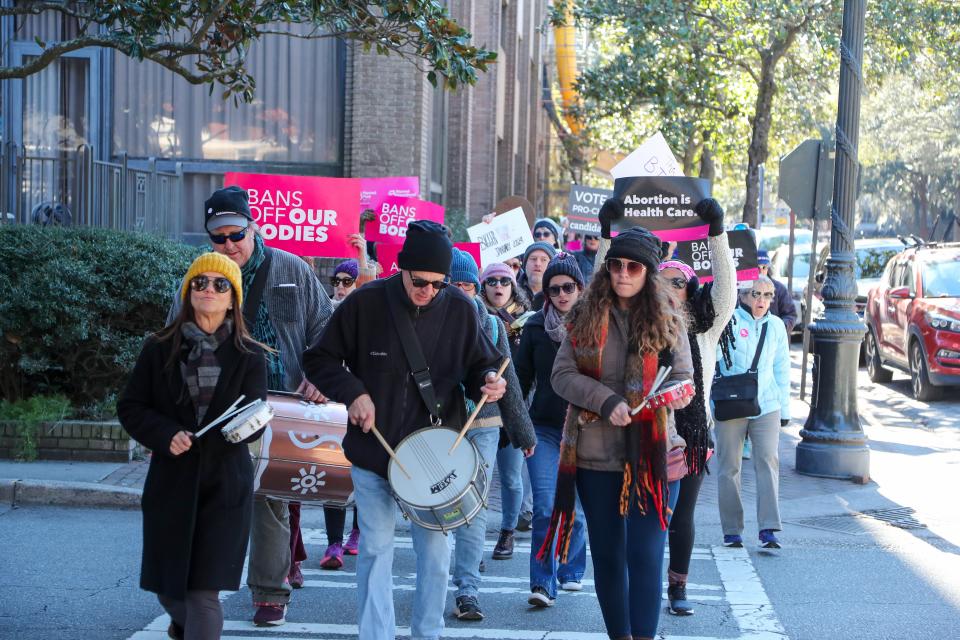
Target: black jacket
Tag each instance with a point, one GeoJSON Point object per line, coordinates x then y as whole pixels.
{"type": "Point", "coordinates": [360, 352]}
{"type": "Point", "coordinates": [585, 261]}
{"type": "Point", "coordinates": [196, 506]}
{"type": "Point", "coordinates": [534, 363]}
{"type": "Point", "coordinates": [783, 306]}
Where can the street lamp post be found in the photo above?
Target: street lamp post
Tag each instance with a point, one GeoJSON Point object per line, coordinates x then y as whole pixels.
{"type": "Point", "coordinates": [834, 444]}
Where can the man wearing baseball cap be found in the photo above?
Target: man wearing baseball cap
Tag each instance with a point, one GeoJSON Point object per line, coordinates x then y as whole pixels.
{"type": "Point", "coordinates": [286, 309]}
{"type": "Point", "coordinates": [361, 362]}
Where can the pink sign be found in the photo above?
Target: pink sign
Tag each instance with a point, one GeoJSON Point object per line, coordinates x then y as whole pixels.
{"type": "Point", "coordinates": [387, 257]}
{"type": "Point", "coordinates": [395, 214]}
{"type": "Point", "coordinates": [374, 190]}
{"type": "Point", "coordinates": [305, 215]}
{"type": "Point", "coordinates": [473, 248]}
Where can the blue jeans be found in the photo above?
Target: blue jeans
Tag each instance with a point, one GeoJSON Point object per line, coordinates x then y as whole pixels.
{"type": "Point", "coordinates": [627, 555]}
{"type": "Point", "coordinates": [543, 465]}
{"type": "Point", "coordinates": [469, 538]}
{"type": "Point", "coordinates": [510, 462]}
{"type": "Point", "coordinates": [377, 512]}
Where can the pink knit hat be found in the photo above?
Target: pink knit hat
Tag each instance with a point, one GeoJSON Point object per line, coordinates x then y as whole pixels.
{"type": "Point", "coordinates": [682, 267]}
{"type": "Point", "coordinates": [498, 270]}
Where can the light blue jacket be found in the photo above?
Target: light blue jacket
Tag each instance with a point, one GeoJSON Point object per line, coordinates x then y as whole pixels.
{"type": "Point", "coordinates": [773, 370]}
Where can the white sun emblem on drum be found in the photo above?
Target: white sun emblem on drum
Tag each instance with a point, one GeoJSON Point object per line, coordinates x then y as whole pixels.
{"type": "Point", "coordinates": [308, 481]}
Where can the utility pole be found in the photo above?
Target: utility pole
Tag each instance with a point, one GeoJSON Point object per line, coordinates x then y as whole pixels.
{"type": "Point", "coordinates": [834, 444]}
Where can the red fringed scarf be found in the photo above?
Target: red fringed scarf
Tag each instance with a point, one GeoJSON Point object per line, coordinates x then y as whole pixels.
{"type": "Point", "coordinates": [645, 471]}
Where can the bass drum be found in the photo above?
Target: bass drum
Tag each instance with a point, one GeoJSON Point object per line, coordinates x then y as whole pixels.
{"type": "Point", "coordinates": [300, 456]}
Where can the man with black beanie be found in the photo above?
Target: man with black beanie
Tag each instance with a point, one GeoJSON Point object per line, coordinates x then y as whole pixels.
{"type": "Point", "coordinates": [360, 361]}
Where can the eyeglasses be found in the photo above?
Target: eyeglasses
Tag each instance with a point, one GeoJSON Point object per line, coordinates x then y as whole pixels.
{"type": "Point", "coordinates": [233, 237]}
{"type": "Point", "coordinates": [567, 287]}
{"type": "Point", "coordinates": [514, 264]}
{"type": "Point", "coordinates": [342, 282]}
{"type": "Point", "coordinates": [766, 295]}
{"type": "Point", "coordinates": [542, 234]}
{"type": "Point", "coordinates": [220, 285]}
{"type": "Point", "coordinates": [498, 282]}
{"type": "Point", "coordinates": [616, 265]}
{"type": "Point", "coordinates": [678, 283]}
{"type": "Point", "coordinates": [421, 283]}
{"type": "Point", "coordinates": [465, 286]}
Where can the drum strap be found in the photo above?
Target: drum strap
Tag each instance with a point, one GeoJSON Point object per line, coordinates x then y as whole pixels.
{"type": "Point", "coordinates": [414, 352]}
{"type": "Point", "coordinates": [251, 302]}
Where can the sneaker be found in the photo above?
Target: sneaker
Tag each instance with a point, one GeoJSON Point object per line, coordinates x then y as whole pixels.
{"type": "Point", "coordinates": [175, 631]}
{"type": "Point", "coordinates": [525, 521]}
{"type": "Point", "coordinates": [332, 557]}
{"type": "Point", "coordinates": [768, 540]}
{"type": "Point", "coordinates": [677, 595]}
{"type": "Point", "coordinates": [571, 585]}
{"type": "Point", "coordinates": [733, 541]}
{"type": "Point", "coordinates": [539, 598]}
{"type": "Point", "coordinates": [483, 566]}
{"type": "Point", "coordinates": [747, 449]}
{"type": "Point", "coordinates": [295, 578]}
{"type": "Point", "coordinates": [270, 615]}
{"type": "Point", "coordinates": [352, 546]}
{"type": "Point", "coordinates": [468, 608]}
{"type": "Point", "coordinates": [504, 548]}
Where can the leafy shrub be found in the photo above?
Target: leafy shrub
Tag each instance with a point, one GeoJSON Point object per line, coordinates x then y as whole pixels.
{"type": "Point", "coordinates": [75, 304]}
{"type": "Point", "coordinates": [29, 414]}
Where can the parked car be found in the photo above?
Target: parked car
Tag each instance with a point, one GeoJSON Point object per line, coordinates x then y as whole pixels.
{"type": "Point", "coordinates": [780, 269]}
{"type": "Point", "coordinates": [872, 255]}
{"type": "Point", "coordinates": [772, 238]}
{"type": "Point", "coordinates": [913, 319]}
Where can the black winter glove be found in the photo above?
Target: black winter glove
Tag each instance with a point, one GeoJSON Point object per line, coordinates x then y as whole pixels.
{"type": "Point", "coordinates": [784, 423]}
{"type": "Point", "coordinates": [710, 212]}
{"type": "Point", "coordinates": [611, 211]}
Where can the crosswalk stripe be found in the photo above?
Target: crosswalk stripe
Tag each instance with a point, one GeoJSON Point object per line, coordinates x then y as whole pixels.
{"type": "Point", "coordinates": [749, 603]}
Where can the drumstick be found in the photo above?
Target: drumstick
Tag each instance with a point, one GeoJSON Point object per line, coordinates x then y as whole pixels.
{"type": "Point", "coordinates": [483, 400]}
{"type": "Point", "coordinates": [223, 416]}
{"type": "Point", "coordinates": [657, 382]}
{"type": "Point", "coordinates": [393, 454]}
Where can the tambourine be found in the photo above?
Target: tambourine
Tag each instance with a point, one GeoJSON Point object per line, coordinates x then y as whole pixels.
{"type": "Point", "coordinates": [668, 393]}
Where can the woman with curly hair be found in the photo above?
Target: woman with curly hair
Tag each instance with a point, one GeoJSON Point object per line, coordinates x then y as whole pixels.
{"type": "Point", "coordinates": [619, 334]}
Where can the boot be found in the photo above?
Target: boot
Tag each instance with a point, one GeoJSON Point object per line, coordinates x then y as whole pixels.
{"type": "Point", "coordinates": [504, 548]}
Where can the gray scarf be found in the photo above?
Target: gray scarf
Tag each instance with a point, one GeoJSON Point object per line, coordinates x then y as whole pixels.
{"type": "Point", "coordinates": [200, 369]}
{"type": "Point", "coordinates": [554, 323]}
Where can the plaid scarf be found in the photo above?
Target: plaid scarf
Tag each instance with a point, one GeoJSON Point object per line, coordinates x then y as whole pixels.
{"type": "Point", "coordinates": [200, 370]}
{"type": "Point", "coordinates": [262, 329]}
{"type": "Point", "coordinates": [645, 470]}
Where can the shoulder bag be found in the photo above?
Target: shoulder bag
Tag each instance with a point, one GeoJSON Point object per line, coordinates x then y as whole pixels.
{"type": "Point", "coordinates": [737, 396]}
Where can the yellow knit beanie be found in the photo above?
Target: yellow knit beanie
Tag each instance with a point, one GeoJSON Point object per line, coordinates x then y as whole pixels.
{"type": "Point", "coordinates": [219, 264]}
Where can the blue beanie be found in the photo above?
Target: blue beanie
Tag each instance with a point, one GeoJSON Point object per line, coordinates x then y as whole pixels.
{"type": "Point", "coordinates": [464, 268]}
{"type": "Point", "coordinates": [564, 264]}
{"type": "Point", "coordinates": [762, 257]}
{"type": "Point", "coordinates": [538, 246]}
{"type": "Point", "coordinates": [349, 267]}
{"type": "Point", "coordinates": [551, 226]}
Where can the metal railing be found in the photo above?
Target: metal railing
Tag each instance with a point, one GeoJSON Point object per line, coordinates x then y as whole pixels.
{"type": "Point", "coordinates": [116, 195]}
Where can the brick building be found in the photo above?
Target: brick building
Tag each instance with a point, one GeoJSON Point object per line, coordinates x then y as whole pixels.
{"type": "Point", "coordinates": [132, 145]}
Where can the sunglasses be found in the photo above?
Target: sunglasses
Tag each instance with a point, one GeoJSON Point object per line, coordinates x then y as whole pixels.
{"type": "Point", "coordinates": [220, 285]}
{"type": "Point", "coordinates": [616, 265]}
{"type": "Point", "coordinates": [342, 282]}
{"type": "Point", "coordinates": [421, 283]}
{"type": "Point", "coordinates": [222, 238]}
{"type": "Point", "coordinates": [542, 234]}
{"type": "Point", "coordinates": [766, 295]}
{"type": "Point", "coordinates": [494, 282]}
{"type": "Point", "coordinates": [678, 283]}
{"type": "Point", "coordinates": [567, 287]}
{"type": "Point", "coordinates": [465, 286]}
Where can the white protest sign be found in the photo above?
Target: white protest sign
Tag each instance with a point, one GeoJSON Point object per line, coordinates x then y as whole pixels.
{"type": "Point", "coordinates": [507, 236]}
{"type": "Point", "coordinates": [652, 158]}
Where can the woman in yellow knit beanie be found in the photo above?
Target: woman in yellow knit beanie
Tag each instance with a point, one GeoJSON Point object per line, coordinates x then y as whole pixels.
{"type": "Point", "coordinates": [198, 500]}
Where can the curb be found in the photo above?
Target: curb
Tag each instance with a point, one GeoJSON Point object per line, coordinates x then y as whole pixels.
{"type": "Point", "coordinates": [73, 494]}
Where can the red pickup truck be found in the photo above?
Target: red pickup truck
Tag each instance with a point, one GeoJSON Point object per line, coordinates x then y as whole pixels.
{"type": "Point", "coordinates": [913, 319]}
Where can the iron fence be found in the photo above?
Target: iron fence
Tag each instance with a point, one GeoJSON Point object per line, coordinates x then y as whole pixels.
{"type": "Point", "coordinates": [116, 194]}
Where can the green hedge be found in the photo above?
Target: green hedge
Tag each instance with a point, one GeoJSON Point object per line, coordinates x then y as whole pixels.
{"type": "Point", "coordinates": [75, 305]}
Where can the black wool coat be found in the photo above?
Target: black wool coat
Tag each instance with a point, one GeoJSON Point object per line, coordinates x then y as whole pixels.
{"type": "Point", "coordinates": [196, 506]}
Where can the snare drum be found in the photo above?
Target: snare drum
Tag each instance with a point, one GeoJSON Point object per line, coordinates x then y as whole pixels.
{"type": "Point", "coordinates": [248, 422]}
{"type": "Point", "coordinates": [300, 456]}
{"type": "Point", "coordinates": [670, 392]}
{"type": "Point", "coordinates": [444, 491]}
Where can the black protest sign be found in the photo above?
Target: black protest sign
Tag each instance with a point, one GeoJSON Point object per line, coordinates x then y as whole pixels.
{"type": "Point", "coordinates": [663, 204]}
{"type": "Point", "coordinates": [585, 203]}
{"type": "Point", "coordinates": [696, 253]}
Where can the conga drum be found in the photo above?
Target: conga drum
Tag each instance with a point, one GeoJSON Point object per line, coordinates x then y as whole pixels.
{"type": "Point", "coordinates": [300, 456]}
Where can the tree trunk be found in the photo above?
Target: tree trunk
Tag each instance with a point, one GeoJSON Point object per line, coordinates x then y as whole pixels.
{"type": "Point", "coordinates": [690, 152]}
{"type": "Point", "coordinates": [708, 169]}
{"type": "Point", "coordinates": [760, 139]}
